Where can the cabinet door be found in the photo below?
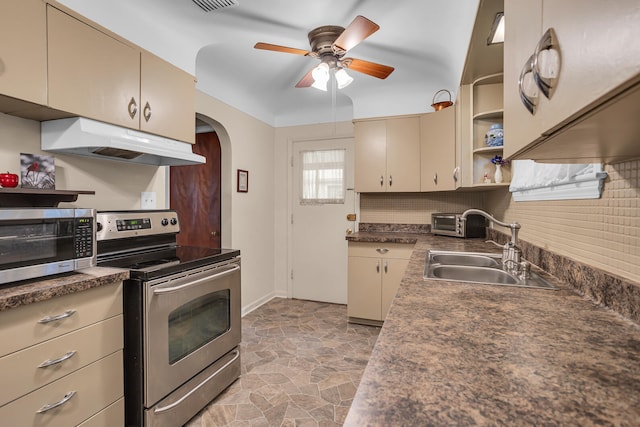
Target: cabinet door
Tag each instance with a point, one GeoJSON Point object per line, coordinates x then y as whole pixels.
{"type": "Point", "coordinates": [597, 55]}
{"type": "Point", "coordinates": [403, 154]}
{"type": "Point", "coordinates": [90, 73]}
{"type": "Point", "coordinates": [364, 281]}
{"type": "Point", "coordinates": [23, 55]}
{"type": "Point", "coordinates": [392, 273]}
{"type": "Point", "coordinates": [523, 29]}
{"type": "Point", "coordinates": [370, 156]}
{"type": "Point", "coordinates": [437, 150]}
{"type": "Point", "coordinates": [167, 97]}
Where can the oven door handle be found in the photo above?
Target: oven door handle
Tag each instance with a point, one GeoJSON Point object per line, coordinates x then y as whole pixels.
{"type": "Point", "coordinates": [193, 390]}
{"type": "Point", "coordinates": [185, 285]}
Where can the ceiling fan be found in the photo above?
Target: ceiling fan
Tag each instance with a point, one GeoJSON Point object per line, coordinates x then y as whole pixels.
{"type": "Point", "coordinates": [330, 44]}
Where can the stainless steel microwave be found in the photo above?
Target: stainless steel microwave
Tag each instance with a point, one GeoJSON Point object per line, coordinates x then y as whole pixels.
{"type": "Point", "coordinates": [449, 224]}
{"type": "Point", "coordinates": [36, 242]}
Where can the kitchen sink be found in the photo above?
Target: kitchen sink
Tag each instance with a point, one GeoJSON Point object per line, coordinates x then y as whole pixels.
{"type": "Point", "coordinates": [476, 267]}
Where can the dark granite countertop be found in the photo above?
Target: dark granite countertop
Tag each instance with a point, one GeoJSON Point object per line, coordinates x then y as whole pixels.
{"type": "Point", "coordinates": [453, 353]}
{"type": "Point", "coordinates": [13, 295]}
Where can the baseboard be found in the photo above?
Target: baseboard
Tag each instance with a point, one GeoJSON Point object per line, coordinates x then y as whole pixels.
{"type": "Point", "coordinates": [260, 302]}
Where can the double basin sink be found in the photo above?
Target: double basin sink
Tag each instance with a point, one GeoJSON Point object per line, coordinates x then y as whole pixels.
{"type": "Point", "coordinates": [476, 267]}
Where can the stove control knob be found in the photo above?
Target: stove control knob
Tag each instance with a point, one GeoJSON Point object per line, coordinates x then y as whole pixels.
{"type": "Point", "coordinates": [164, 222]}
{"type": "Point", "coordinates": [174, 221]}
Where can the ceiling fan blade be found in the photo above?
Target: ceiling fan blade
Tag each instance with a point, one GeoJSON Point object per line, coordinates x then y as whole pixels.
{"type": "Point", "coordinates": [277, 48]}
{"type": "Point", "coordinates": [371, 68]}
{"type": "Point", "coordinates": [307, 80]}
{"type": "Point", "coordinates": [359, 29]}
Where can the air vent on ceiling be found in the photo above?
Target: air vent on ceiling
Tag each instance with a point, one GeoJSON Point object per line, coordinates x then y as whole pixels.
{"type": "Point", "coordinates": [211, 5]}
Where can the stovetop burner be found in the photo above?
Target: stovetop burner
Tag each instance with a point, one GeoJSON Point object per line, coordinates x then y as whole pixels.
{"type": "Point", "coordinates": [144, 242]}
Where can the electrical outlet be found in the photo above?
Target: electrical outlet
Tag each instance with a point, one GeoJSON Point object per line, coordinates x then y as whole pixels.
{"type": "Point", "coordinates": [148, 200]}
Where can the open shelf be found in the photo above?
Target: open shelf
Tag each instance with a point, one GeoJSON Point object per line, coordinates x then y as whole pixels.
{"type": "Point", "coordinates": [37, 198]}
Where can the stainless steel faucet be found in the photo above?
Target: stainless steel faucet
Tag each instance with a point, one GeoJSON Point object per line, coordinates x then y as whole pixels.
{"type": "Point", "coordinates": [510, 251]}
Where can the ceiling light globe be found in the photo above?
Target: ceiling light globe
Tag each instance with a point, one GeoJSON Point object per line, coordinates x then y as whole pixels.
{"type": "Point", "coordinates": [343, 78]}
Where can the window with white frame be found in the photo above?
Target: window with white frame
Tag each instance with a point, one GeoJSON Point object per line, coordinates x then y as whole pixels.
{"type": "Point", "coordinates": [322, 177]}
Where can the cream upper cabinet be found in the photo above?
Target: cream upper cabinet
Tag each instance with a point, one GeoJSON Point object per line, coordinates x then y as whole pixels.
{"type": "Point", "coordinates": [596, 46]}
{"type": "Point", "coordinates": [437, 150]}
{"type": "Point", "coordinates": [95, 75]}
{"type": "Point", "coordinates": [90, 73]}
{"type": "Point", "coordinates": [387, 155]}
{"type": "Point", "coordinates": [167, 97]}
{"type": "Point", "coordinates": [23, 55]}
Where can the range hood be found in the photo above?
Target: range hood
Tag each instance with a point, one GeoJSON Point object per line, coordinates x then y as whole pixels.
{"type": "Point", "coordinates": [90, 138]}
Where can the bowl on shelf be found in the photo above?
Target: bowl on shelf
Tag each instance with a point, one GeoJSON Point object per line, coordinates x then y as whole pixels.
{"type": "Point", "coordinates": [494, 136]}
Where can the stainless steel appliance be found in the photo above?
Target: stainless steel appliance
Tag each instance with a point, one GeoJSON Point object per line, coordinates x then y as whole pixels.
{"type": "Point", "coordinates": [449, 224]}
{"type": "Point", "coordinates": [181, 316]}
{"type": "Point", "coordinates": [36, 242]}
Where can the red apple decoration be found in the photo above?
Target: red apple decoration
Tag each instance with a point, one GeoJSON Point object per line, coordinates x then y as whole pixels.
{"type": "Point", "coordinates": [8, 179]}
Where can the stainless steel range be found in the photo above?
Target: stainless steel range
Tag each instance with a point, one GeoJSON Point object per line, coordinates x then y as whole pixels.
{"type": "Point", "coordinates": [181, 316]}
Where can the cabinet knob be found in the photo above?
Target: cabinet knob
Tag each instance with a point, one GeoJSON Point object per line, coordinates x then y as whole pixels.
{"type": "Point", "coordinates": [390, 180]}
{"type": "Point", "coordinates": [381, 180]}
{"type": "Point", "coordinates": [435, 178]}
{"type": "Point", "coordinates": [147, 112]}
{"type": "Point", "coordinates": [386, 266]}
{"type": "Point", "coordinates": [132, 108]}
{"type": "Point", "coordinates": [378, 267]}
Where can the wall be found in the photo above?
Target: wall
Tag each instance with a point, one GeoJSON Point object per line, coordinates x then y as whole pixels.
{"type": "Point", "coordinates": [117, 184]}
{"type": "Point", "coordinates": [284, 138]}
{"type": "Point", "coordinates": [247, 144]}
{"type": "Point", "coordinates": [414, 208]}
{"type": "Point", "coordinates": [604, 233]}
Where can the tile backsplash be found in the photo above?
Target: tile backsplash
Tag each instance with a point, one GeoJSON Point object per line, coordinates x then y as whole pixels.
{"type": "Point", "coordinates": [603, 233]}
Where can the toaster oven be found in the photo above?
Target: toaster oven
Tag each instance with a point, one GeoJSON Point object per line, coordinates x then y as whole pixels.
{"type": "Point", "coordinates": [449, 224]}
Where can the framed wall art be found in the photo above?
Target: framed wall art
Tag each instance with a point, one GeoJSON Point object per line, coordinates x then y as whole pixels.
{"type": "Point", "coordinates": [37, 171]}
{"type": "Point", "coordinates": [243, 181]}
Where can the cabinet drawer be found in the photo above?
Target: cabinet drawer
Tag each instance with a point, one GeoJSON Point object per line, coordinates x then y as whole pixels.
{"type": "Point", "coordinates": [21, 371]}
{"type": "Point", "coordinates": [111, 416]}
{"type": "Point", "coordinates": [96, 386]}
{"type": "Point", "coordinates": [21, 326]}
{"type": "Point", "coordinates": [377, 250]}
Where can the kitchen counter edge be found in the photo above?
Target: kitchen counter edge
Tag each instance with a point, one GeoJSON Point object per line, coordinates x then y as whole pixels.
{"type": "Point", "coordinates": [18, 294]}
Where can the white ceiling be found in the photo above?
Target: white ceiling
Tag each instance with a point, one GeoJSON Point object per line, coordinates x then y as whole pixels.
{"type": "Point", "coordinates": [425, 40]}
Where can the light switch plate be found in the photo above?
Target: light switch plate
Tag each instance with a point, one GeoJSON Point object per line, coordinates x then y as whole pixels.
{"type": "Point", "coordinates": [148, 200]}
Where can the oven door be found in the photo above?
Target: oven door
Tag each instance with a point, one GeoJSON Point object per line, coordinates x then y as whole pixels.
{"type": "Point", "coordinates": [192, 319]}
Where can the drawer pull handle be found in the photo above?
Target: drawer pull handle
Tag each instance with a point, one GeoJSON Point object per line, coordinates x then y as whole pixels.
{"type": "Point", "coordinates": [62, 401]}
{"type": "Point", "coordinates": [160, 409]}
{"type": "Point", "coordinates": [382, 250]}
{"type": "Point", "coordinates": [381, 180]}
{"type": "Point", "coordinates": [162, 291]}
{"type": "Point", "coordinates": [64, 315]}
{"type": "Point", "coordinates": [378, 267]}
{"type": "Point", "coordinates": [386, 267]}
{"type": "Point", "coordinates": [548, 43]}
{"type": "Point", "coordinates": [50, 362]}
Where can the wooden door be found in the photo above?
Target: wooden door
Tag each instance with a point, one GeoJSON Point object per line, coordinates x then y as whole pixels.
{"type": "Point", "coordinates": [195, 195]}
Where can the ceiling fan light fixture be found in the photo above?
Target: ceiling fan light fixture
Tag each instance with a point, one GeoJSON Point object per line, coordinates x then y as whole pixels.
{"type": "Point", "coordinates": [320, 76]}
{"type": "Point", "coordinates": [343, 78]}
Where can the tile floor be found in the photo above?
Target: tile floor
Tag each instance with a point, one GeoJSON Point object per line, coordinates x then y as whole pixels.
{"type": "Point", "coordinates": [301, 365]}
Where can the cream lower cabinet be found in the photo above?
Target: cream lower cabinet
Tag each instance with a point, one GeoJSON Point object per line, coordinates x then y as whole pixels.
{"type": "Point", "coordinates": [61, 361]}
{"type": "Point", "coordinates": [387, 154]}
{"type": "Point", "coordinates": [95, 75]}
{"type": "Point", "coordinates": [374, 275]}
